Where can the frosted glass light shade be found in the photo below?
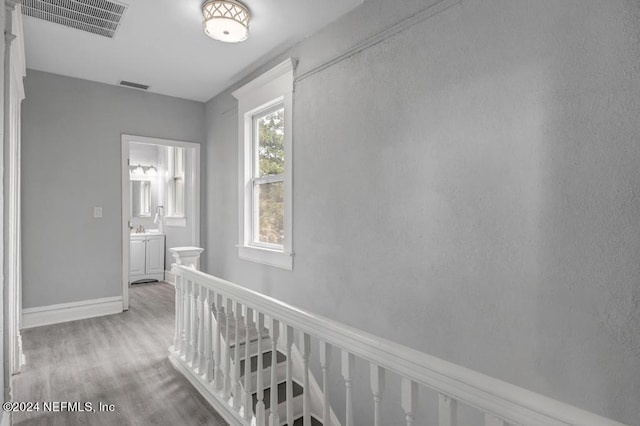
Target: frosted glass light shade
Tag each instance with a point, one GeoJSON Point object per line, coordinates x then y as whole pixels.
{"type": "Point", "coordinates": [225, 20]}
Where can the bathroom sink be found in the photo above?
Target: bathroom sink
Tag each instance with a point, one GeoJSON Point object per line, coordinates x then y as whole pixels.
{"type": "Point", "coordinates": [146, 232]}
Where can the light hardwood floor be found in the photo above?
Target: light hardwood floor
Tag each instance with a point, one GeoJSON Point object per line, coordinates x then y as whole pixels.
{"type": "Point", "coordinates": [118, 359]}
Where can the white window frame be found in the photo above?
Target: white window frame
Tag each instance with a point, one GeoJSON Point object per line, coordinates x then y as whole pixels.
{"type": "Point", "coordinates": [274, 87]}
{"type": "Point", "coordinates": [171, 182]}
{"type": "Point", "coordinates": [259, 180]}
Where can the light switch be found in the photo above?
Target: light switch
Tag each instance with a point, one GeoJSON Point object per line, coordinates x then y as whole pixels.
{"type": "Point", "coordinates": [97, 212]}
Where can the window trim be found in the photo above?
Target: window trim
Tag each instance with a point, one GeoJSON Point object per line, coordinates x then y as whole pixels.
{"type": "Point", "coordinates": [272, 88]}
{"type": "Point", "coordinates": [176, 219]}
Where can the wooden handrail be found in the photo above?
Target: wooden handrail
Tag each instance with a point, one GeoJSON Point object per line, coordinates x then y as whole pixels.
{"type": "Point", "coordinates": [487, 394]}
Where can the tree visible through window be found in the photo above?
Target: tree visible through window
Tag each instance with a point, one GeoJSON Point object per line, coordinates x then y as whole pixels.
{"type": "Point", "coordinates": [268, 181]}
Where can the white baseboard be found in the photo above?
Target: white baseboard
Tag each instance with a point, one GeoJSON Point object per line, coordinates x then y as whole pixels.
{"type": "Point", "coordinates": [54, 314]}
{"type": "Point", "coordinates": [170, 278]}
{"type": "Point", "coordinates": [213, 398]}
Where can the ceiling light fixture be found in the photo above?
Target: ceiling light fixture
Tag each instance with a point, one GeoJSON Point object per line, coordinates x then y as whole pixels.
{"type": "Point", "coordinates": [225, 20]}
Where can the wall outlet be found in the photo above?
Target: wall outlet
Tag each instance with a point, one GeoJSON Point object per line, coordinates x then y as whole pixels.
{"type": "Point", "coordinates": [97, 212]}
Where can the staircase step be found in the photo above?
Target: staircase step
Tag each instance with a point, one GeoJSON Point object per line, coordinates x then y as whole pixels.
{"type": "Point", "coordinates": [281, 375]}
{"type": "Point", "coordinates": [231, 338]}
{"type": "Point", "coordinates": [282, 394]}
{"type": "Point", "coordinates": [266, 361]}
{"type": "Point", "coordinates": [314, 422]}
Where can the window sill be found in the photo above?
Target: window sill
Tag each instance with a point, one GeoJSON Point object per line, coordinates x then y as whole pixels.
{"type": "Point", "coordinates": [179, 222]}
{"type": "Point", "coordinates": [266, 256]}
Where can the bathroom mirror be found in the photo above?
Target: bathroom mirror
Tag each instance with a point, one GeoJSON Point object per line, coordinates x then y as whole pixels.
{"type": "Point", "coordinates": [140, 198]}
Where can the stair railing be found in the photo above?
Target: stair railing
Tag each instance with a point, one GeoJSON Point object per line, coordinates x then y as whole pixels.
{"type": "Point", "coordinates": [200, 354]}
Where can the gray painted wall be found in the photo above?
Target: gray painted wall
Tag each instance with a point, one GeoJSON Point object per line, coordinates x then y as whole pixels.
{"type": "Point", "coordinates": [469, 188]}
{"type": "Point", "coordinates": [70, 163]}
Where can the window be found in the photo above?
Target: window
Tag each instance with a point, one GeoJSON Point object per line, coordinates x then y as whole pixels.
{"type": "Point", "coordinates": [264, 111]}
{"type": "Point", "coordinates": [268, 179]}
{"type": "Point", "coordinates": [176, 159]}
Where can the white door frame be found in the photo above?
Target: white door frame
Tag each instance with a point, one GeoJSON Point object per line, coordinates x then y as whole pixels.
{"type": "Point", "coordinates": [193, 199]}
{"type": "Point", "coordinates": [14, 72]}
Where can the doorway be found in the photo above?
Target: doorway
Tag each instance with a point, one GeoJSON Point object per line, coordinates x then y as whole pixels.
{"type": "Point", "coordinates": [160, 205]}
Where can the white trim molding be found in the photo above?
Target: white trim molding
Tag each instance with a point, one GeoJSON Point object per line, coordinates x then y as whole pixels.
{"type": "Point", "coordinates": [169, 278]}
{"type": "Point", "coordinates": [379, 37]}
{"type": "Point", "coordinates": [192, 204]}
{"type": "Point", "coordinates": [263, 79]}
{"type": "Point", "coordinates": [14, 73]}
{"type": "Point", "coordinates": [274, 87]}
{"type": "Point", "coordinates": [204, 389]}
{"type": "Point", "coordinates": [63, 312]}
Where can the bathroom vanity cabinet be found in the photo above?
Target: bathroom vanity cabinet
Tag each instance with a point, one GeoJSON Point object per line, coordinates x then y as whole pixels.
{"type": "Point", "coordinates": [146, 257]}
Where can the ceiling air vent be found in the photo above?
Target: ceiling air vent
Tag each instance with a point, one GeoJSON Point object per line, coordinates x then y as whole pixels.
{"type": "Point", "coordinates": [100, 17]}
{"type": "Point", "coordinates": [134, 85]}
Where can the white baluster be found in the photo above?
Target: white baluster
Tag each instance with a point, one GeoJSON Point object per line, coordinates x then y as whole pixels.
{"type": "Point", "coordinates": [236, 360]}
{"type": "Point", "coordinates": [192, 324]}
{"type": "Point", "coordinates": [260, 411]}
{"type": "Point", "coordinates": [274, 418]}
{"type": "Point", "coordinates": [183, 317]}
{"type": "Point", "coordinates": [409, 400]}
{"type": "Point", "coordinates": [186, 319]}
{"type": "Point", "coordinates": [305, 350]}
{"type": "Point", "coordinates": [217, 359]}
{"type": "Point", "coordinates": [448, 411]}
{"type": "Point", "coordinates": [249, 325]}
{"type": "Point", "coordinates": [288, 339]}
{"type": "Point", "coordinates": [208, 334]}
{"type": "Point", "coordinates": [201, 311]}
{"type": "Point", "coordinates": [195, 311]}
{"type": "Point", "coordinates": [325, 361]}
{"type": "Point", "coordinates": [227, 349]}
{"type": "Point", "coordinates": [348, 362]}
{"type": "Point", "coordinates": [177, 341]}
{"type": "Point", "coordinates": [491, 420]}
{"type": "Point", "coordinates": [377, 388]}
